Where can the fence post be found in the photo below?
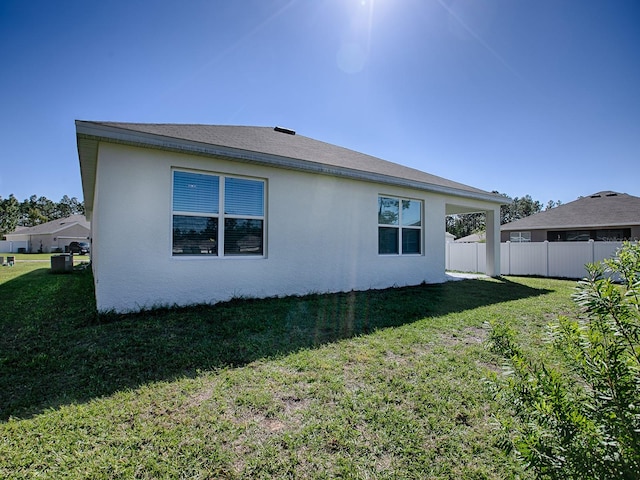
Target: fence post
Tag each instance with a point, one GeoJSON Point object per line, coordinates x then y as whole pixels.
{"type": "Point", "coordinates": [546, 250]}
{"type": "Point", "coordinates": [447, 255]}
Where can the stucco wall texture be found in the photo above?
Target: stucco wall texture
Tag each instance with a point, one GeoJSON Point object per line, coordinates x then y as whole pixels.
{"type": "Point", "coordinates": [321, 235]}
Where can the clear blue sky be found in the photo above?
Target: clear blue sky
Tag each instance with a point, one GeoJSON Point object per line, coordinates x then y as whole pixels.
{"type": "Point", "coordinates": [538, 97]}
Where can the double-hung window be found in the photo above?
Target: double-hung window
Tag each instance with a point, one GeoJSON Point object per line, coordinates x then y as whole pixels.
{"type": "Point", "coordinates": [217, 215]}
{"type": "Point", "coordinates": [399, 226]}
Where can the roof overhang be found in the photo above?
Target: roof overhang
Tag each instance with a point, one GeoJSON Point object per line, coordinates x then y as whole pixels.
{"type": "Point", "coordinates": [89, 135]}
{"type": "Point", "coordinates": [38, 231]}
{"type": "Point", "coordinates": [569, 227]}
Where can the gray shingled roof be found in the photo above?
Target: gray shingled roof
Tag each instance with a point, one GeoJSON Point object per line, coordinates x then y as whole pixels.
{"type": "Point", "coordinates": [602, 209]}
{"type": "Point", "coordinates": [53, 226]}
{"type": "Point", "coordinates": [265, 145]}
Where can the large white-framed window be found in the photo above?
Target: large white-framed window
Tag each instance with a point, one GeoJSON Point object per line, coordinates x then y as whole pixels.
{"type": "Point", "coordinates": [219, 215]}
{"type": "Point", "coordinates": [399, 226]}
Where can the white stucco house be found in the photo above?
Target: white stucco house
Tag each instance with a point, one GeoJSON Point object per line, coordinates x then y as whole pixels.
{"type": "Point", "coordinates": [189, 214]}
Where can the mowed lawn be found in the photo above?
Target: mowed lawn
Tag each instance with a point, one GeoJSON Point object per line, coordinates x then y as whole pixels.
{"type": "Point", "coordinates": [379, 384]}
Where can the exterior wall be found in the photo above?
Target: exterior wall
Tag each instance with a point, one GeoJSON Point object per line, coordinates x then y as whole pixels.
{"type": "Point", "coordinates": [321, 236]}
{"type": "Point", "coordinates": [42, 241]}
{"type": "Point", "coordinates": [16, 238]}
{"type": "Point", "coordinates": [12, 246]}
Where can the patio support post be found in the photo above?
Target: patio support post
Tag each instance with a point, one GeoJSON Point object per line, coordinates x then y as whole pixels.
{"type": "Point", "coordinates": [493, 242]}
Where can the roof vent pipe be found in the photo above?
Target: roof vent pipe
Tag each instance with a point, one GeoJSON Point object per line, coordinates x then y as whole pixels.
{"type": "Point", "coordinates": [288, 131]}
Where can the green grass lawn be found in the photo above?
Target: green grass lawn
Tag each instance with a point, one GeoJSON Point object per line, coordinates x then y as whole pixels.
{"type": "Point", "coordinates": [382, 384]}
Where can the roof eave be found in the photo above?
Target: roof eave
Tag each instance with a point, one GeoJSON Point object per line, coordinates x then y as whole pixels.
{"type": "Point", "coordinates": [35, 229]}
{"type": "Point", "coordinates": [568, 227]}
{"type": "Point", "coordinates": [65, 226]}
{"type": "Point", "coordinates": [88, 157]}
{"type": "Point", "coordinates": [89, 134]}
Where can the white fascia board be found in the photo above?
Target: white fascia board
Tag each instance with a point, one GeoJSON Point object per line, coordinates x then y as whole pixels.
{"type": "Point", "coordinates": [141, 139]}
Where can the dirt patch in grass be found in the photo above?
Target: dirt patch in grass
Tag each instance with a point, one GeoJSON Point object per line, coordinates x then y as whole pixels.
{"type": "Point", "coordinates": [467, 336]}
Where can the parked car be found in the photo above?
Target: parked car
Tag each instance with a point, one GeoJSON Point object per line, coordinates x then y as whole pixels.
{"type": "Point", "coordinates": [81, 248]}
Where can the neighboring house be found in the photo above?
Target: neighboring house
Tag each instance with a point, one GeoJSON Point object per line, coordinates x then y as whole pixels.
{"type": "Point", "coordinates": [189, 214]}
{"type": "Point", "coordinates": [603, 216]}
{"type": "Point", "coordinates": [479, 237]}
{"type": "Point", "coordinates": [52, 236]}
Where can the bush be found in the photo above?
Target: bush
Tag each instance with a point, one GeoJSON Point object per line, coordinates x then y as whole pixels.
{"type": "Point", "coordinates": [580, 418]}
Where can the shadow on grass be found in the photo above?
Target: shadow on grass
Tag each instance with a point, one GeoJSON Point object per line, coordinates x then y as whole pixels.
{"type": "Point", "coordinates": [55, 350]}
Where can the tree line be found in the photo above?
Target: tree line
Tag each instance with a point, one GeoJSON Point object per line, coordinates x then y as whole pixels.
{"type": "Point", "coordinates": [34, 211]}
{"type": "Point", "coordinates": [468, 223]}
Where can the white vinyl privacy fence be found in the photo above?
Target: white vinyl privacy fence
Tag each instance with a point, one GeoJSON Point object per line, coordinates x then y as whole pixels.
{"type": "Point", "coordinates": [546, 259]}
{"type": "Point", "coordinates": [7, 246]}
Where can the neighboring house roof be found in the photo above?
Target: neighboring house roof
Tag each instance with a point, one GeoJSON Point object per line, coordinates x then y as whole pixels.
{"type": "Point", "coordinates": [473, 238]}
{"type": "Point", "coordinates": [263, 145]}
{"type": "Point", "coordinates": [602, 209]}
{"type": "Point", "coordinates": [53, 226]}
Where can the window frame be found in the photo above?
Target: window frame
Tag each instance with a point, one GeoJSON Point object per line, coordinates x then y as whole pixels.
{"type": "Point", "coordinates": [585, 235]}
{"type": "Point", "coordinates": [221, 252]}
{"type": "Point", "coordinates": [520, 237]}
{"type": "Point", "coordinates": [400, 228]}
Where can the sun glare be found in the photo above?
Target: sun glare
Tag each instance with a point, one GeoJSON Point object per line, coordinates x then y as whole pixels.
{"type": "Point", "coordinates": [354, 50]}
